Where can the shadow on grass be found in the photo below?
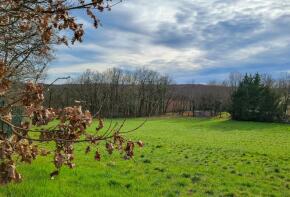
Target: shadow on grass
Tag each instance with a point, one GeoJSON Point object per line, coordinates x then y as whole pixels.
{"type": "Point", "coordinates": [232, 125]}
{"type": "Point", "coordinates": [224, 125]}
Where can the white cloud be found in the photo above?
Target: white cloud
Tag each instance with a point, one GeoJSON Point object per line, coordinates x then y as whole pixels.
{"type": "Point", "coordinates": [145, 56]}
{"type": "Point", "coordinates": [179, 35]}
{"type": "Point", "coordinates": [76, 68]}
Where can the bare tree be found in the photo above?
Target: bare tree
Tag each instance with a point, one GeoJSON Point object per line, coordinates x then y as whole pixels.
{"type": "Point", "coordinates": [28, 29]}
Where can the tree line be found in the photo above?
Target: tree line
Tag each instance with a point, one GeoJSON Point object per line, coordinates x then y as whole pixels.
{"type": "Point", "coordinates": [143, 92]}
{"type": "Point", "coordinates": [114, 93]}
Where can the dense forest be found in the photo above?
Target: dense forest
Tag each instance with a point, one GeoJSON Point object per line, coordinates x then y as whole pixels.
{"type": "Point", "coordinates": [143, 92]}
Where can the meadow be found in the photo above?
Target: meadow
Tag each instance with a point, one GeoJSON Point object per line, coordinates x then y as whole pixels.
{"type": "Point", "coordinates": [181, 157]}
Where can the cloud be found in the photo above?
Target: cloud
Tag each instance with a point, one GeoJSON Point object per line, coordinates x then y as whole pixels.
{"type": "Point", "coordinates": [186, 39]}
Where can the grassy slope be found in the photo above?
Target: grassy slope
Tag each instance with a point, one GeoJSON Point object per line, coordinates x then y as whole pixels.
{"type": "Point", "coordinates": [183, 157]}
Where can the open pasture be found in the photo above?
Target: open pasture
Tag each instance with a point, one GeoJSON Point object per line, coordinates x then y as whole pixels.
{"type": "Point", "coordinates": [181, 157]}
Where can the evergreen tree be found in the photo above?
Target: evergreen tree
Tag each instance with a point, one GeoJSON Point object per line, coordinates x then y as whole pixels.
{"type": "Point", "coordinates": [255, 101]}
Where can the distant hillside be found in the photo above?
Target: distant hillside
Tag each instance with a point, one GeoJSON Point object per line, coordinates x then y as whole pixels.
{"type": "Point", "coordinates": [200, 90]}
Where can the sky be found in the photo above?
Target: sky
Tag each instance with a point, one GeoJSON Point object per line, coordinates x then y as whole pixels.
{"type": "Point", "coordinates": [189, 40]}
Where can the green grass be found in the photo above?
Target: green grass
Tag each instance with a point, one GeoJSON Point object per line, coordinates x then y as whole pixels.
{"type": "Point", "coordinates": [181, 157]}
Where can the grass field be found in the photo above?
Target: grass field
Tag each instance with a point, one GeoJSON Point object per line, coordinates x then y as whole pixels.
{"type": "Point", "coordinates": [181, 157]}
